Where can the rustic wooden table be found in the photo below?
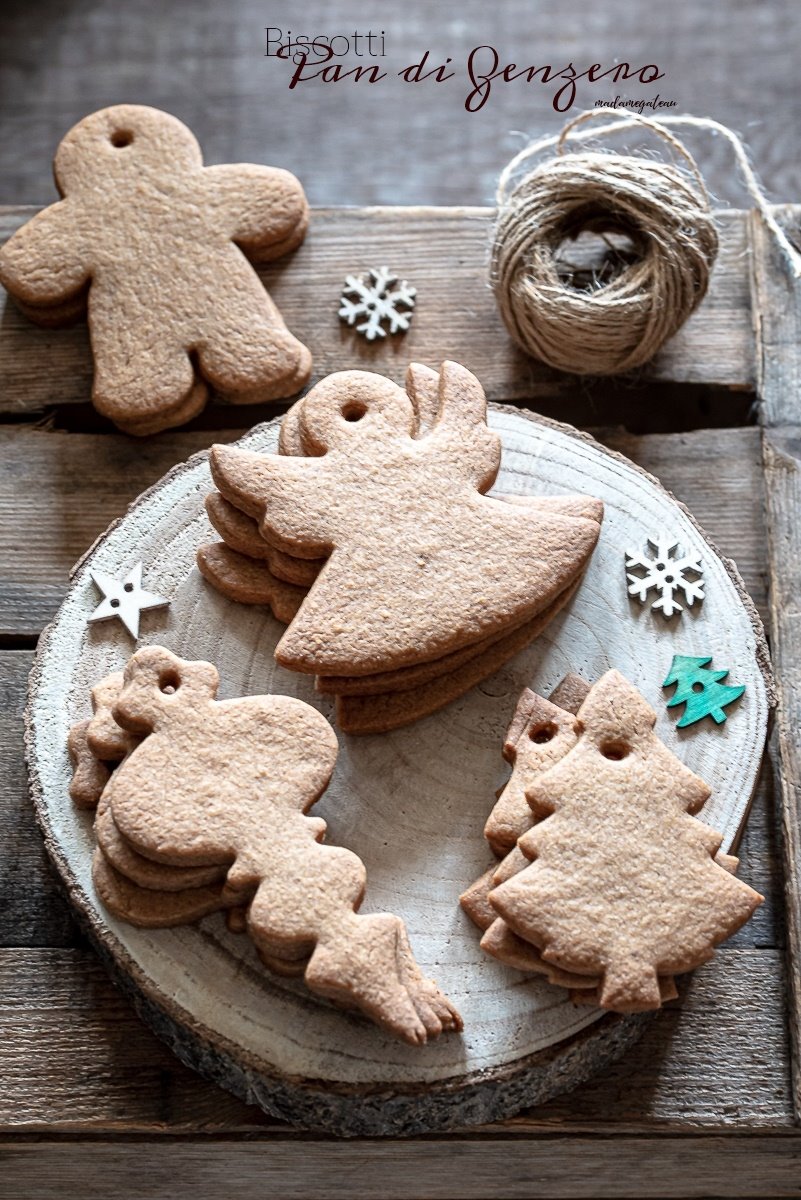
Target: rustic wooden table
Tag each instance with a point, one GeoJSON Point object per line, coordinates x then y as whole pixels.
{"type": "Point", "coordinates": [707, 1103]}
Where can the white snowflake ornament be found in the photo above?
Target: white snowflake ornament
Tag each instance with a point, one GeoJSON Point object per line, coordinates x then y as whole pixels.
{"type": "Point", "coordinates": [126, 599]}
{"type": "Point", "coordinates": [378, 302]}
{"type": "Point", "coordinates": [666, 575]}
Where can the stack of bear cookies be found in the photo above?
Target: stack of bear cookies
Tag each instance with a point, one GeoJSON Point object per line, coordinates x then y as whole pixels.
{"type": "Point", "coordinates": [607, 885]}
{"type": "Point", "coordinates": [233, 834]}
{"type": "Point", "coordinates": [371, 535]}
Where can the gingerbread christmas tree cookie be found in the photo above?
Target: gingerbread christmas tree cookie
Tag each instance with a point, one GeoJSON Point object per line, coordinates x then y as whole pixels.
{"type": "Point", "coordinates": [155, 247]}
{"type": "Point", "coordinates": [623, 881]}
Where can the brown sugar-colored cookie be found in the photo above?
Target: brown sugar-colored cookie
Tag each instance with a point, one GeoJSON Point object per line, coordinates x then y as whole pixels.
{"type": "Point", "coordinates": [667, 991]}
{"type": "Point", "coordinates": [143, 871]}
{"type": "Point", "coordinates": [392, 710]}
{"type": "Point", "coordinates": [243, 775]}
{"type": "Point", "coordinates": [570, 693]}
{"type": "Point", "coordinates": [505, 945]}
{"type": "Point", "coordinates": [540, 734]}
{"type": "Point", "coordinates": [156, 246]}
{"type": "Point", "coordinates": [241, 533]}
{"type": "Point", "coordinates": [148, 908]}
{"type": "Point", "coordinates": [104, 737]}
{"type": "Point", "coordinates": [97, 745]}
{"type": "Point", "coordinates": [248, 580]}
{"type": "Point", "coordinates": [623, 881]}
{"type": "Point", "coordinates": [89, 775]}
{"type": "Point", "coordinates": [407, 679]}
{"type": "Point", "coordinates": [421, 562]}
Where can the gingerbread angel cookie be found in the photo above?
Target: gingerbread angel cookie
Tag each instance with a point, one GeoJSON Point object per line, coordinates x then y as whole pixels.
{"type": "Point", "coordinates": [420, 562]}
{"type": "Point", "coordinates": [241, 776]}
{"type": "Point", "coordinates": [156, 247]}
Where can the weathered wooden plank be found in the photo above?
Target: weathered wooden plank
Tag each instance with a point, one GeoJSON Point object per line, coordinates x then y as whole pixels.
{"type": "Point", "coordinates": [777, 311]}
{"type": "Point", "coordinates": [33, 911]}
{"type": "Point", "coordinates": [211, 71]}
{"type": "Point", "coordinates": [482, 1168]}
{"type": "Point", "coordinates": [76, 1059]}
{"type": "Point", "coordinates": [444, 253]}
{"type": "Point", "coordinates": [59, 491]}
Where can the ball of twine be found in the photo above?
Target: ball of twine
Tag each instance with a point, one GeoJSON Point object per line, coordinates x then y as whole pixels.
{"type": "Point", "coordinates": [610, 326]}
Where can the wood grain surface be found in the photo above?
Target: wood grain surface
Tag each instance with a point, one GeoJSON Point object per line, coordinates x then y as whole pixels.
{"type": "Point", "coordinates": [777, 312]}
{"type": "Point", "coordinates": [652, 1125]}
{"type": "Point", "coordinates": [234, 1022]}
{"type": "Point", "coordinates": [444, 254]}
{"type": "Point", "coordinates": [392, 143]}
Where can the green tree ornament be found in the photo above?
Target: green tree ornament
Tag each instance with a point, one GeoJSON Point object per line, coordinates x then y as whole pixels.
{"type": "Point", "coordinates": [700, 689]}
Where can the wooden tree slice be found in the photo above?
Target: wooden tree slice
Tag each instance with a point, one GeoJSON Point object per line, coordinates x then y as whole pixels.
{"type": "Point", "coordinates": [412, 803]}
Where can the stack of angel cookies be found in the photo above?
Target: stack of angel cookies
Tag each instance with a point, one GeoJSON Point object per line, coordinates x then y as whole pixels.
{"type": "Point", "coordinates": [371, 535]}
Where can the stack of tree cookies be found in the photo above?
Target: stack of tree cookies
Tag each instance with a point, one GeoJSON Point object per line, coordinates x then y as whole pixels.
{"type": "Point", "coordinates": [607, 885]}
{"type": "Point", "coordinates": [371, 535]}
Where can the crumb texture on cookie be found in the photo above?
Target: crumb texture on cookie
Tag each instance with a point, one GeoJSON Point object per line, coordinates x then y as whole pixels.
{"type": "Point", "coordinates": [206, 809]}
{"type": "Point", "coordinates": [623, 881]}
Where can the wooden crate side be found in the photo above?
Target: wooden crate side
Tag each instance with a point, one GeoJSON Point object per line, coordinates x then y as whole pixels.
{"type": "Point", "coordinates": [776, 305]}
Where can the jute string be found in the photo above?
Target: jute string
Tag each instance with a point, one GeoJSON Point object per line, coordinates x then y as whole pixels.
{"type": "Point", "coordinates": [661, 209]}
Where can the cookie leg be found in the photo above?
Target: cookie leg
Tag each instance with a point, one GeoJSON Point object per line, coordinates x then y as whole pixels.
{"type": "Point", "coordinates": [149, 388]}
{"type": "Point", "coordinates": [249, 364]}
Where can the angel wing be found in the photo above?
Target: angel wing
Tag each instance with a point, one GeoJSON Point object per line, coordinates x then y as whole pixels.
{"type": "Point", "coordinates": [460, 434]}
{"type": "Point", "coordinates": [290, 497]}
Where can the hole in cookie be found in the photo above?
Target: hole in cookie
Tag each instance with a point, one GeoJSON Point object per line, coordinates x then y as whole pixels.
{"type": "Point", "coordinates": [697, 687]}
{"type": "Point", "coordinates": [614, 751]}
{"type": "Point", "coordinates": [114, 603]}
{"type": "Point", "coordinates": [121, 137]}
{"type": "Point", "coordinates": [127, 587]}
{"type": "Point", "coordinates": [169, 682]}
{"type": "Point", "coordinates": [354, 411]}
{"type": "Point", "coordinates": [542, 733]}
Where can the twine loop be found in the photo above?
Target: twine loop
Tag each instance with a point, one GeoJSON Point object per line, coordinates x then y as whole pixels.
{"type": "Point", "coordinates": [655, 217]}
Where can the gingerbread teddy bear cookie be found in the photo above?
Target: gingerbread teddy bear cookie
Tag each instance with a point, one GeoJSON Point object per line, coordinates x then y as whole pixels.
{"type": "Point", "coordinates": [156, 246]}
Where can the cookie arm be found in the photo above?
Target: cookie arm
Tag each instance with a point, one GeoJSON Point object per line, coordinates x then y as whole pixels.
{"type": "Point", "coordinates": [42, 264]}
{"type": "Point", "coordinates": [264, 209]}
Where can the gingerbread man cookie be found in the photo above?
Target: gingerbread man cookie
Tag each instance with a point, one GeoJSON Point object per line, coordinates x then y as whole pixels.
{"type": "Point", "coordinates": [156, 246]}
